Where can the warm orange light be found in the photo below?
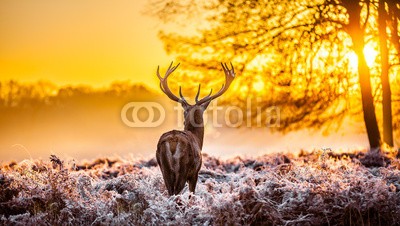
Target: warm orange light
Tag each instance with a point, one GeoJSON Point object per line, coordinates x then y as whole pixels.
{"type": "Point", "coordinates": [258, 86]}
{"type": "Point", "coordinates": [63, 43]}
{"type": "Point", "coordinates": [353, 60]}
{"type": "Point", "coordinates": [370, 54]}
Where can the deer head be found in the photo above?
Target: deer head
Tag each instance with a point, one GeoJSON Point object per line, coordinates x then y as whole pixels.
{"type": "Point", "coordinates": [193, 113]}
{"type": "Point", "coordinates": [179, 152]}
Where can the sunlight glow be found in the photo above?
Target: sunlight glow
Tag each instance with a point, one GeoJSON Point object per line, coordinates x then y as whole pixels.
{"type": "Point", "coordinates": [353, 59]}
{"type": "Point", "coordinates": [370, 54]}
{"type": "Point", "coordinates": [258, 86]}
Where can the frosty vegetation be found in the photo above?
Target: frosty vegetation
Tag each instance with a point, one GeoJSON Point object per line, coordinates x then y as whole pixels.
{"type": "Point", "coordinates": [322, 188]}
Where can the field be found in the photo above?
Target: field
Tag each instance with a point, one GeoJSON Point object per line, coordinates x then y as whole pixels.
{"type": "Point", "coordinates": [320, 188]}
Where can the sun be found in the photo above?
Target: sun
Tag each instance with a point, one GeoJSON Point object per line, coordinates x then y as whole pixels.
{"type": "Point", "coordinates": [370, 54]}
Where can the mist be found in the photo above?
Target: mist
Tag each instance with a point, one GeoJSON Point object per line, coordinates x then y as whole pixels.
{"type": "Point", "coordinates": [82, 123]}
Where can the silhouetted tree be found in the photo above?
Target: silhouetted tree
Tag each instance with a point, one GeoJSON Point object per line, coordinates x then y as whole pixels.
{"type": "Point", "coordinates": [297, 52]}
{"type": "Point", "coordinates": [388, 17]}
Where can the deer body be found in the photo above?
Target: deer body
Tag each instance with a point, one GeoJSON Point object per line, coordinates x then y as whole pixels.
{"type": "Point", "coordinates": [179, 157]}
{"type": "Point", "coordinates": [179, 152]}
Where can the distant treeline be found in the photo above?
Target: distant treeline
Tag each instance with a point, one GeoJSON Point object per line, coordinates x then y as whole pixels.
{"type": "Point", "coordinates": [16, 94]}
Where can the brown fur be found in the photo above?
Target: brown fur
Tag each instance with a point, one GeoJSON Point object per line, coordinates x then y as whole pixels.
{"type": "Point", "coordinates": [179, 157]}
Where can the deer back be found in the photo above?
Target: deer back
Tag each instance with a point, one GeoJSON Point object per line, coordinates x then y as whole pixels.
{"type": "Point", "coordinates": [179, 157]}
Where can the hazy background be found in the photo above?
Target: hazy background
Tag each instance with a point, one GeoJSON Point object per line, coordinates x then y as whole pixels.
{"type": "Point", "coordinates": [78, 45]}
{"type": "Point", "coordinates": [80, 122]}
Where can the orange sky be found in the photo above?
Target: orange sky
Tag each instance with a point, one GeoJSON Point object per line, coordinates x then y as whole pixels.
{"type": "Point", "coordinates": [90, 42]}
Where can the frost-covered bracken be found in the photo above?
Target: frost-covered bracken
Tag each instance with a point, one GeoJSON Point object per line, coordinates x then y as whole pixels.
{"type": "Point", "coordinates": [309, 189]}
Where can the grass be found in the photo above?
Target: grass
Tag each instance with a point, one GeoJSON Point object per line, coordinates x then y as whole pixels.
{"type": "Point", "coordinates": [320, 188]}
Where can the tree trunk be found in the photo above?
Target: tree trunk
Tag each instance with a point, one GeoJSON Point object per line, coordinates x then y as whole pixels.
{"type": "Point", "coordinates": [371, 123]}
{"type": "Point", "coordinates": [394, 18]}
{"type": "Point", "coordinates": [356, 33]}
{"type": "Point", "coordinates": [386, 92]}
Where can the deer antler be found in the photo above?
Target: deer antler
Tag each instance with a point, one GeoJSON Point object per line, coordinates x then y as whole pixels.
{"type": "Point", "coordinates": [229, 76]}
{"type": "Point", "coordinates": [164, 84]}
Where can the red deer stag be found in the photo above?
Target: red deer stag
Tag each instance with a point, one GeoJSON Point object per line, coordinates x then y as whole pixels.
{"type": "Point", "coordinates": [179, 152]}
